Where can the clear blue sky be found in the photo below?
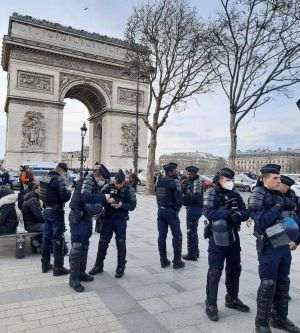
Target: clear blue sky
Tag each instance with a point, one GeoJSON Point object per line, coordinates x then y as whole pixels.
{"type": "Point", "coordinates": [204, 124]}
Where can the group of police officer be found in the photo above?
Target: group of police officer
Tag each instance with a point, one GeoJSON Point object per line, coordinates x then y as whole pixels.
{"type": "Point", "coordinates": [275, 210]}
{"type": "Point", "coordinates": [273, 206]}
{"type": "Point", "coordinates": [94, 196]}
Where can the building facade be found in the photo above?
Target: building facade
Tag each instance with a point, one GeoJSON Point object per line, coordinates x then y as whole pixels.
{"type": "Point", "coordinates": [207, 163]}
{"type": "Point", "coordinates": [253, 160]}
{"type": "Point", "coordinates": [46, 63]}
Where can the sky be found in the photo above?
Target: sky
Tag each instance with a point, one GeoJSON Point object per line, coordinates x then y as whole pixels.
{"type": "Point", "coordinates": [202, 126]}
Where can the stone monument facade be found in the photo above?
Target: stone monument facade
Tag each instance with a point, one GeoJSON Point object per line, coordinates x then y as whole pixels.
{"type": "Point", "coordinates": [46, 63]}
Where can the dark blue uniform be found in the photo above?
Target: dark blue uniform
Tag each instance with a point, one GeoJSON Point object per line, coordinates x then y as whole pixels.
{"type": "Point", "coordinates": [228, 207]}
{"type": "Point", "coordinates": [87, 201]}
{"type": "Point", "coordinates": [54, 194]}
{"type": "Point", "coordinates": [193, 200]}
{"type": "Point", "coordinates": [266, 208]}
{"type": "Point", "coordinates": [115, 221]}
{"type": "Point", "coordinates": [169, 201]}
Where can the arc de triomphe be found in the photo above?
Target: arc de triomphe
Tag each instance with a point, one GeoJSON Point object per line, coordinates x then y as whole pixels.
{"type": "Point", "coordinates": [46, 63]}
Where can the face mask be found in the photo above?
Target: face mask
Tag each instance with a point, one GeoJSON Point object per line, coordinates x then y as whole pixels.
{"type": "Point", "coordinates": [101, 183]}
{"type": "Point", "coordinates": [228, 185]}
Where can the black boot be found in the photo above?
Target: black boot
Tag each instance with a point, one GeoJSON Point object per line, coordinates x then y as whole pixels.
{"type": "Point", "coordinates": [75, 265]}
{"type": "Point", "coordinates": [58, 253]}
{"type": "Point", "coordinates": [177, 246]}
{"type": "Point", "coordinates": [101, 254]}
{"type": "Point", "coordinates": [192, 246]}
{"type": "Point", "coordinates": [84, 255]}
{"type": "Point", "coordinates": [280, 308]}
{"type": "Point", "coordinates": [232, 282]}
{"type": "Point", "coordinates": [164, 261]}
{"type": "Point", "coordinates": [236, 304]}
{"type": "Point", "coordinates": [212, 286]}
{"type": "Point", "coordinates": [46, 268]}
{"type": "Point", "coordinates": [121, 247]}
{"type": "Point", "coordinates": [265, 295]}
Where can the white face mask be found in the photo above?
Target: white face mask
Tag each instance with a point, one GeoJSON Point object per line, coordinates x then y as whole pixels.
{"type": "Point", "coordinates": [101, 183]}
{"type": "Point", "coordinates": [228, 185]}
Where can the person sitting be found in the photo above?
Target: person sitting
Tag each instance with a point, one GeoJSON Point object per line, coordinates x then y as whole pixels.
{"type": "Point", "coordinates": [33, 217]}
{"type": "Point", "coordinates": [8, 215]}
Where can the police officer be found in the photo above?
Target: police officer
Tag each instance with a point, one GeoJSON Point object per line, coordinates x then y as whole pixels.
{"type": "Point", "coordinates": [268, 207]}
{"type": "Point", "coordinates": [54, 193]}
{"type": "Point", "coordinates": [120, 200]}
{"type": "Point", "coordinates": [225, 210]}
{"type": "Point", "coordinates": [87, 201]}
{"type": "Point", "coordinates": [169, 200]}
{"type": "Point", "coordinates": [193, 200]}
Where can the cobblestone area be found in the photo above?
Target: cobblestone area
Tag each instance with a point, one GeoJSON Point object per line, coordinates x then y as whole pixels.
{"type": "Point", "coordinates": [146, 299]}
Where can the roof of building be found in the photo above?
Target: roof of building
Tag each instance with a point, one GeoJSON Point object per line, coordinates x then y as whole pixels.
{"type": "Point", "coordinates": [57, 26]}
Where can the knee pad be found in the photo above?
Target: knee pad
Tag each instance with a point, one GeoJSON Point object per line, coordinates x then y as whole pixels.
{"type": "Point", "coordinates": [268, 283]}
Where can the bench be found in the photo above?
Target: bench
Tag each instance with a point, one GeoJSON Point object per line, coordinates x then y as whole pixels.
{"type": "Point", "coordinates": [20, 241]}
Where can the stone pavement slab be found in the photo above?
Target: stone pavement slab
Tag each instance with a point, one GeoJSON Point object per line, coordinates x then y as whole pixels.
{"type": "Point", "coordinates": [147, 299]}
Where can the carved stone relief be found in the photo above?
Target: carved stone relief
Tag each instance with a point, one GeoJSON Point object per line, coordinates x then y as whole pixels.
{"type": "Point", "coordinates": [128, 97]}
{"type": "Point", "coordinates": [33, 131]}
{"type": "Point", "coordinates": [35, 82]}
{"type": "Point", "coordinates": [64, 61]}
{"type": "Point", "coordinates": [128, 136]}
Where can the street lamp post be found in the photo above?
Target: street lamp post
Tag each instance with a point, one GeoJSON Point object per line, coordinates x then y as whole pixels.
{"type": "Point", "coordinates": [83, 130]}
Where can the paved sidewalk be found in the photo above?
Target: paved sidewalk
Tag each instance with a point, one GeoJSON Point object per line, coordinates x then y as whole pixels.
{"type": "Point", "coordinates": [146, 299]}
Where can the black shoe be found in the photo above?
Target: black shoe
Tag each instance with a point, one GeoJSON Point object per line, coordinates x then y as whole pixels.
{"type": "Point", "coordinates": [60, 271]}
{"type": "Point", "coordinates": [262, 329]}
{"type": "Point", "coordinates": [212, 312]}
{"type": "Point", "coordinates": [178, 264]}
{"type": "Point", "coordinates": [76, 285]}
{"type": "Point", "coordinates": [285, 325]}
{"type": "Point", "coordinates": [46, 268]}
{"type": "Point", "coordinates": [189, 257]}
{"type": "Point", "coordinates": [86, 277]}
{"type": "Point", "coordinates": [165, 263]}
{"type": "Point", "coordinates": [120, 272]}
{"type": "Point", "coordinates": [236, 304]}
{"type": "Point", "coordinates": [96, 270]}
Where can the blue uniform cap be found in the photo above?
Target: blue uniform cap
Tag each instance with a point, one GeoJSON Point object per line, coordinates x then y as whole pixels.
{"type": "Point", "coordinates": [104, 171]}
{"type": "Point", "coordinates": [271, 168]}
{"type": "Point", "coordinates": [170, 166]}
{"type": "Point", "coordinates": [287, 180]}
{"type": "Point", "coordinates": [120, 176]}
{"type": "Point", "coordinates": [226, 172]}
{"type": "Point", "coordinates": [192, 169]}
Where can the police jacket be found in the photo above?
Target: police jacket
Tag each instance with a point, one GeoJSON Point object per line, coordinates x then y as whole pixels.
{"type": "Point", "coordinates": [192, 192]}
{"type": "Point", "coordinates": [87, 191]}
{"type": "Point", "coordinates": [126, 196]}
{"type": "Point", "coordinates": [31, 210]}
{"type": "Point", "coordinates": [54, 192]}
{"type": "Point", "coordinates": [8, 216]}
{"type": "Point", "coordinates": [169, 193]}
{"type": "Point", "coordinates": [220, 205]}
{"type": "Point", "coordinates": [263, 209]}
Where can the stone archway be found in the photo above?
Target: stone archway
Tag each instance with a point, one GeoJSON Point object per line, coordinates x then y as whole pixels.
{"type": "Point", "coordinates": [46, 63]}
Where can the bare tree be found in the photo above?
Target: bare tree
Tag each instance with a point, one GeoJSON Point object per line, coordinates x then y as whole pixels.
{"type": "Point", "coordinates": [166, 37]}
{"type": "Point", "coordinates": [254, 47]}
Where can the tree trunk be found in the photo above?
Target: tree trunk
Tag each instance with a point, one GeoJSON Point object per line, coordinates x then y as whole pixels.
{"type": "Point", "coordinates": [233, 141]}
{"type": "Point", "coordinates": [150, 186]}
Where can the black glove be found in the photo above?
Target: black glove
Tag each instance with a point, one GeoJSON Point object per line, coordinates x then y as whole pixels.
{"type": "Point", "coordinates": [278, 201]}
{"type": "Point", "coordinates": [289, 204]}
